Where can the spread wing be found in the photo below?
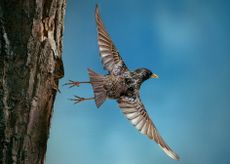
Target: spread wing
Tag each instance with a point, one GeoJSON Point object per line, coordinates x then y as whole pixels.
{"type": "Point", "coordinates": [111, 59]}
{"type": "Point", "coordinates": [135, 111]}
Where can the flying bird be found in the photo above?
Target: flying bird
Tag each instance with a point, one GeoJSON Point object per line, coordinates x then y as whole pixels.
{"type": "Point", "coordinates": [122, 85]}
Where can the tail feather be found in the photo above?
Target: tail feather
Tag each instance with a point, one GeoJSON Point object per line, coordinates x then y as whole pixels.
{"type": "Point", "coordinates": [97, 82]}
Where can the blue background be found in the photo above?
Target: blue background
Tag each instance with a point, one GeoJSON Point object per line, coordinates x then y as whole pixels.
{"type": "Point", "coordinates": [187, 43]}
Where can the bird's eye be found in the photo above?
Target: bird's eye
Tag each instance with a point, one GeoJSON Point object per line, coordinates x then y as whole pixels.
{"type": "Point", "coordinates": [131, 88]}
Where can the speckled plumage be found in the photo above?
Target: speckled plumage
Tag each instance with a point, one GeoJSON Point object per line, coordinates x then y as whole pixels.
{"type": "Point", "coordinates": [123, 85]}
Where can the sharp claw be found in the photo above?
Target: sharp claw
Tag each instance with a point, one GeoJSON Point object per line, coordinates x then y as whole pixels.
{"type": "Point", "coordinates": [67, 83]}
{"type": "Point", "coordinates": [72, 83]}
{"type": "Point", "coordinates": [77, 99]}
{"type": "Point", "coordinates": [70, 86]}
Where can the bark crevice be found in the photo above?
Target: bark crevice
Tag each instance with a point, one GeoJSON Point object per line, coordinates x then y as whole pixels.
{"type": "Point", "coordinates": [30, 66]}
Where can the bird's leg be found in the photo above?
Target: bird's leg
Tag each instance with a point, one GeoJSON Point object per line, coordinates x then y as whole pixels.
{"type": "Point", "coordinates": [76, 83]}
{"type": "Point", "coordinates": [78, 99]}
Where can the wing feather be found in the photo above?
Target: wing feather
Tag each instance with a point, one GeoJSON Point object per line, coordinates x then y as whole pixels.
{"type": "Point", "coordinates": [135, 111]}
{"type": "Point", "coordinates": [111, 59]}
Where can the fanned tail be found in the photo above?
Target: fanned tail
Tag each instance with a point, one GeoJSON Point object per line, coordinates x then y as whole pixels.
{"type": "Point", "coordinates": [97, 82]}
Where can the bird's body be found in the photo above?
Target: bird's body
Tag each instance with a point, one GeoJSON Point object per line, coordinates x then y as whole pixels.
{"type": "Point", "coordinates": [122, 85]}
{"type": "Point", "coordinates": [115, 86]}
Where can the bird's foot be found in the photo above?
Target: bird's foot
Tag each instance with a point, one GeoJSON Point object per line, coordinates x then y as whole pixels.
{"type": "Point", "coordinates": [72, 83]}
{"type": "Point", "coordinates": [78, 99]}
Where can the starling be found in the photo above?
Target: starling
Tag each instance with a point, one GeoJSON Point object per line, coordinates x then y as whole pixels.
{"type": "Point", "coordinates": [122, 85]}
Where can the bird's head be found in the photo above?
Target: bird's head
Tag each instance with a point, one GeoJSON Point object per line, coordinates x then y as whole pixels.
{"type": "Point", "coordinates": [145, 74]}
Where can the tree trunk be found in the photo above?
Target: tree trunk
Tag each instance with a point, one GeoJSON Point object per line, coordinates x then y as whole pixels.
{"type": "Point", "coordinates": [30, 67]}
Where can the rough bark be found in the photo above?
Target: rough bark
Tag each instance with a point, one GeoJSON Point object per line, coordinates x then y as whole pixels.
{"type": "Point", "coordinates": [30, 67]}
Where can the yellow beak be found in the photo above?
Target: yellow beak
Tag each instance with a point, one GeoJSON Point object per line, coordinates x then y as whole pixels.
{"type": "Point", "coordinates": [154, 76]}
